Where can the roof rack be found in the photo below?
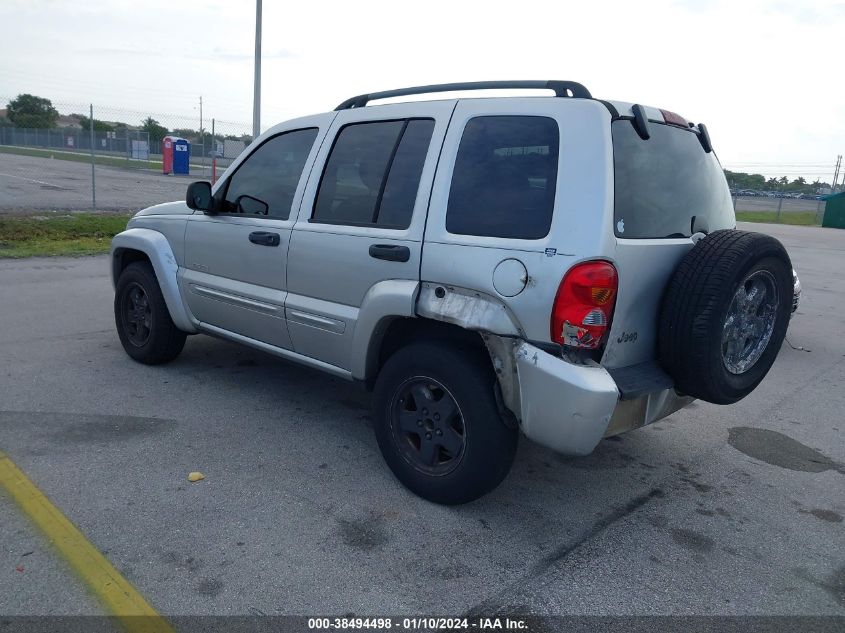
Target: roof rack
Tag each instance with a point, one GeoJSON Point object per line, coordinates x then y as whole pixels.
{"type": "Point", "coordinates": [561, 89]}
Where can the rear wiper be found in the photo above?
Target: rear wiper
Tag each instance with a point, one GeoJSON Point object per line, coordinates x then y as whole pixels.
{"type": "Point", "coordinates": [692, 227]}
{"type": "Point", "coordinates": [704, 138]}
{"type": "Point", "coordinates": [640, 122]}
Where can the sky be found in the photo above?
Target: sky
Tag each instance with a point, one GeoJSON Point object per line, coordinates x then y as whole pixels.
{"type": "Point", "coordinates": [767, 77]}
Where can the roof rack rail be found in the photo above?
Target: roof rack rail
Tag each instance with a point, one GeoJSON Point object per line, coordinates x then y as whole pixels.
{"type": "Point", "coordinates": [561, 89]}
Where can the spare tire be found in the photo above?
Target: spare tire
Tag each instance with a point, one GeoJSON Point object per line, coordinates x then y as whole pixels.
{"type": "Point", "coordinates": [724, 315]}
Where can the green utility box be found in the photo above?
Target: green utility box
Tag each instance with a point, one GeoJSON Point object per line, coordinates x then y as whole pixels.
{"type": "Point", "coordinates": [834, 211]}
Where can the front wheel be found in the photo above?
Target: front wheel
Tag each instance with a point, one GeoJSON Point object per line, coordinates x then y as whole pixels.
{"type": "Point", "coordinates": [438, 425]}
{"type": "Point", "coordinates": [143, 322]}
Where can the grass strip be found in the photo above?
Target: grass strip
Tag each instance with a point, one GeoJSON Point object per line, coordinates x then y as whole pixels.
{"type": "Point", "coordinates": [46, 236]}
{"type": "Point", "coordinates": [80, 157]}
{"type": "Point", "coordinates": [801, 218]}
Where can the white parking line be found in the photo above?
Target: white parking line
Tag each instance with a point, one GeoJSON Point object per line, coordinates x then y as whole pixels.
{"type": "Point", "coordinates": [37, 182]}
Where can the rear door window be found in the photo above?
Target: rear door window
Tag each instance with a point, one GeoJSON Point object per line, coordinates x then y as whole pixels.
{"type": "Point", "coordinates": [503, 183]}
{"type": "Point", "coordinates": [373, 173]}
{"type": "Point", "coordinates": [667, 186]}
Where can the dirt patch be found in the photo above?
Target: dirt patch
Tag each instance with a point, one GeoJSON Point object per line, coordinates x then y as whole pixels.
{"type": "Point", "coordinates": [692, 540]}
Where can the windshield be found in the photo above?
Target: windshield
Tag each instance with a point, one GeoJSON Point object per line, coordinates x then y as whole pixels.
{"type": "Point", "coordinates": [667, 186]}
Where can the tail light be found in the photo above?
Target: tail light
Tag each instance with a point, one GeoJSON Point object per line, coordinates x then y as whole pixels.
{"type": "Point", "coordinates": [584, 304]}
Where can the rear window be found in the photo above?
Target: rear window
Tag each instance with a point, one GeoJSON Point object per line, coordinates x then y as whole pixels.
{"type": "Point", "coordinates": [667, 186]}
{"type": "Point", "coordinates": [503, 184]}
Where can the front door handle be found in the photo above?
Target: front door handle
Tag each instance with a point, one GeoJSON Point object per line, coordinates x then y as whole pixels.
{"type": "Point", "coordinates": [390, 252]}
{"type": "Point", "coordinates": [265, 238]}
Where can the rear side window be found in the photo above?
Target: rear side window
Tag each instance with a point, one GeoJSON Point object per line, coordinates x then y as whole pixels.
{"type": "Point", "coordinates": [270, 176]}
{"type": "Point", "coordinates": [373, 173]}
{"type": "Point", "coordinates": [667, 186]}
{"type": "Point", "coordinates": [503, 184]}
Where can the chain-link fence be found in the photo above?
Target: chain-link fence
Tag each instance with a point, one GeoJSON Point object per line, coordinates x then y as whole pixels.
{"type": "Point", "coordinates": [96, 158]}
{"type": "Point", "coordinates": [121, 165]}
{"type": "Point", "coordinates": [780, 209]}
{"type": "Point", "coordinates": [122, 142]}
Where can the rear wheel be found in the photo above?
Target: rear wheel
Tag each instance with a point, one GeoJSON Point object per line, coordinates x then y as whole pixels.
{"type": "Point", "coordinates": [725, 314]}
{"type": "Point", "coordinates": [438, 425]}
{"type": "Point", "coordinates": [143, 321]}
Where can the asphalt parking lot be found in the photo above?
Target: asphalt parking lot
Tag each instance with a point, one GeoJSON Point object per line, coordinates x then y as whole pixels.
{"type": "Point", "coordinates": [28, 182]}
{"type": "Point", "coordinates": [715, 510]}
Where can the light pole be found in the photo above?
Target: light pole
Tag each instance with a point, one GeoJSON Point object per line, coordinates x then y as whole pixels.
{"type": "Point", "coordinates": [202, 138]}
{"type": "Point", "coordinates": [256, 97]}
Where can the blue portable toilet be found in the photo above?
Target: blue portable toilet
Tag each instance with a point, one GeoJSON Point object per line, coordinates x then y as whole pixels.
{"type": "Point", "coordinates": [181, 156]}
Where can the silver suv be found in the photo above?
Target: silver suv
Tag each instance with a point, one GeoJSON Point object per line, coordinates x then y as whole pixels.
{"type": "Point", "coordinates": [564, 266]}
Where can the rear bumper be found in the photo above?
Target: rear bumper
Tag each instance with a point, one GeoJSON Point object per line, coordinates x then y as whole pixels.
{"type": "Point", "coordinates": [570, 408]}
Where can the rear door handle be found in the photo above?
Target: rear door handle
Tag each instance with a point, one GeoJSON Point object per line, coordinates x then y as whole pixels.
{"type": "Point", "coordinates": [265, 238]}
{"type": "Point", "coordinates": [390, 252]}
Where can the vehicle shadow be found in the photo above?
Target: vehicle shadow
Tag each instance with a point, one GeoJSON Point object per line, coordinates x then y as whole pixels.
{"type": "Point", "coordinates": [546, 507]}
{"type": "Point", "coordinates": [619, 465]}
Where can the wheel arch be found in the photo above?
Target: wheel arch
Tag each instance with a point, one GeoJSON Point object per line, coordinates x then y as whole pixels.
{"type": "Point", "coordinates": [140, 244]}
{"type": "Point", "coordinates": [400, 332]}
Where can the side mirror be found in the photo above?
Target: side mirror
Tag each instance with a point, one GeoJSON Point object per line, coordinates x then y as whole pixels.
{"type": "Point", "coordinates": [199, 196]}
{"type": "Point", "coordinates": [251, 205]}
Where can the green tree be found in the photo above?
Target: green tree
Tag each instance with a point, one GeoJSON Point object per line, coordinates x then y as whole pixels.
{"type": "Point", "coordinates": [185, 132]}
{"type": "Point", "coordinates": [741, 180]}
{"type": "Point", "coordinates": [154, 129]}
{"type": "Point", "coordinates": [99, 126]}
{"type": "Point", "coordinates": [27, 110]}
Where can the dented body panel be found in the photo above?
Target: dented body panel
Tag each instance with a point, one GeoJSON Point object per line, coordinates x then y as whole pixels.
{"type": "Point", "coordinates": [468, 309]}
{"type": "Point", "coordinates": [565, 407]}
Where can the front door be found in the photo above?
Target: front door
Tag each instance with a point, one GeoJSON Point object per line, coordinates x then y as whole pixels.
{"type": "Point", "coordinates": [361, 221]}
{"type": "Point", "coordinates": [234, 279]}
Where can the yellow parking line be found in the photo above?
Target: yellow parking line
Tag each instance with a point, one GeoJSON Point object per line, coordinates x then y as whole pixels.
{"type": "Point", "coordinates": [116, 593]}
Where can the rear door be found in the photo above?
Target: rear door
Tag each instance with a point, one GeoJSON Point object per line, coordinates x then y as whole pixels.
{"type": "Point", "coordinates": [361, 221]}
{"type": "Point", "coordinates": [667, 188]}
{"type": "Point", "coordinates": [234, 278]}
{"type": "Point", "coordinates": [505, 201]}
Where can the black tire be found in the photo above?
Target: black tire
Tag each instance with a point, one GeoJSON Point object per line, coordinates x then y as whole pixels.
{"type": "Point", "coordinates": [143, 321]}
{"type": "Point", "coordinates": [457, 475]}
{"type": "Point", "coordinates": [713, 340]}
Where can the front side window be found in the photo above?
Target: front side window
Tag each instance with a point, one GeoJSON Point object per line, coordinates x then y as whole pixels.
{"type": "Point", "coordinates": [503, 184]}
{"type": "Point", "coordinates": [265, 183]}
{"type": "Point", "coordinates": [373, 173]}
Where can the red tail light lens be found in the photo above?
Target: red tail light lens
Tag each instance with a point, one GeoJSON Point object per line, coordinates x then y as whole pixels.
{"type": "Point", "coordinates": [584, 305]}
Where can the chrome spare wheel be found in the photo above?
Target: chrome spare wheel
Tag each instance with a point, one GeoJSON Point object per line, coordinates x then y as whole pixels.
{"type": "Point", "coordinates": [750, 321]}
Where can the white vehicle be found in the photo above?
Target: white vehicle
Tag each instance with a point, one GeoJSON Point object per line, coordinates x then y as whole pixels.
{"type": "Point", "coordinates": [564, 266]}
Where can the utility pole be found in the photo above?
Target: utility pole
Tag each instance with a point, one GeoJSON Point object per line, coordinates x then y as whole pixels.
{"type": "Point", "coordinates": [256, 97]}
{"type": "Point", "coordinates": [213, 154]}
{"type": "Point", "coordinates": [202, 140]}
{"type": "Point", "coordinates": [836, 173]}
{"type": "Point", "coordinates": [91, 138]}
